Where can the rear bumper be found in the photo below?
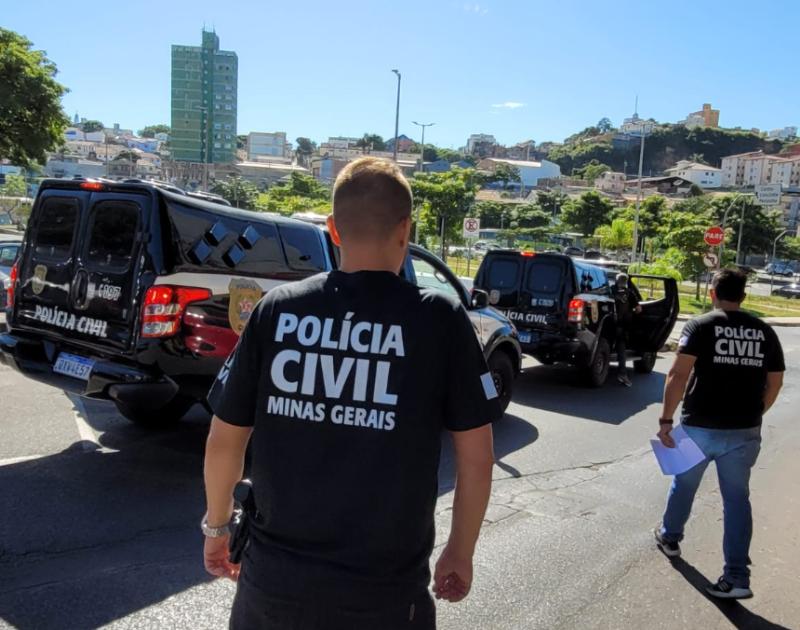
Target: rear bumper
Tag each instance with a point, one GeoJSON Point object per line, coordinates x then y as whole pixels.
{"type": "Point", "coordinates": [109, 380]}
{"type": "Point", "coordinates": [558, 349]}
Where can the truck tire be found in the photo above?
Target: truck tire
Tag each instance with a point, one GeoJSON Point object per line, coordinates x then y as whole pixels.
{"type": "Point", "coordinates": [167, 415]}
{"type": "Point", "coordinates": [502, 372]}
{"type": "Point", "coordinates": [646, 364]}
{"type": "Point", "coordinates": [597, 371]}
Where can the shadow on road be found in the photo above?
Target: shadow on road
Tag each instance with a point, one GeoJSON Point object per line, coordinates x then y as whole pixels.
{"type": "Point", "coordinates": [559, 389]}
{"type": "Point", "coordinates": [510, 434]}
{"type": "Point", "coordinates": [91, 535]}
{"type": "Point", "coordinates": [739, 616]}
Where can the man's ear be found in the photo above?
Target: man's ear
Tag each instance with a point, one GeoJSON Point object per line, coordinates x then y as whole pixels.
{"type": "Point", "coordinates": [333, 231]}
{"type": "Point", "coordinates": [404, 229]}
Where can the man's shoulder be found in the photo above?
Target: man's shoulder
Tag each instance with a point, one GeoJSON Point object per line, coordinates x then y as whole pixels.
{"type": "Point", "coordinates": [439, 302]}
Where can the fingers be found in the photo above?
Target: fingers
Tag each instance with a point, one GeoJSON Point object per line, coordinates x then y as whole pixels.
{"type": "Point", "coordinates": [452, 588]}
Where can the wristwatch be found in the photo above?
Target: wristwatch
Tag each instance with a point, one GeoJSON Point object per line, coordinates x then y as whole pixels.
{"type": "Point", "coordinates": [214, 532]}
{"type": "Point", "coordinates": [665, 421]}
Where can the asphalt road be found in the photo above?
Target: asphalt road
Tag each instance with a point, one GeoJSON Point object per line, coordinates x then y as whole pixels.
{"type": "Point", "coordinates": [99, 519]}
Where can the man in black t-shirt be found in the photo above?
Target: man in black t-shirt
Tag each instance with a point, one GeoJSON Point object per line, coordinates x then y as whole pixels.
{"type": "Point", "coordinates": [730, 366]}
{"type": "Point", "coordinates": [342, 384]}
{"type": "Point", "coordinates": [626, 304]}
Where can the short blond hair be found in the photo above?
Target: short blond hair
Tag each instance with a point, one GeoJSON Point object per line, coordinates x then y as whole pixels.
{"type": "Point", "coordinates": [370, 197]}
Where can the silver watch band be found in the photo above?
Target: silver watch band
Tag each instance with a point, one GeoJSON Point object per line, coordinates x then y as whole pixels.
{"type": "Point", "coordinates": [213, 532]}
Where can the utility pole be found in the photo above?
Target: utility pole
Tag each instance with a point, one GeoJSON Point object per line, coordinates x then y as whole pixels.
{"type": "Point", "coordinates": [635, 248]}
{"type": "Point", "coordinates": [724, 221]}
{"type": "Point", "coordinates": [396, 116]}
{"type": "Point", "coordinates": [739, 242]}
{"type": "Point", "coordinates": [421, 168]}
{"type": "Point", "coordinates": [774, 249]}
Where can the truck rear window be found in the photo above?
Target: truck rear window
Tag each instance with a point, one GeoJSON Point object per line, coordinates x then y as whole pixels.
{"type": "Point", "coordinates": [55, 227]}
{"type": "Point", "coordinates": [503, 274]}
{"type": "Point", "coordinates": [544, 278]}
{"type": "Point", "coordinates": [112, 234]}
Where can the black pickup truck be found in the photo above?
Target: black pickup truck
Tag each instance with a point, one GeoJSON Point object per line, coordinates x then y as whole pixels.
{"type": "Point", "coordinates": [564, 310]}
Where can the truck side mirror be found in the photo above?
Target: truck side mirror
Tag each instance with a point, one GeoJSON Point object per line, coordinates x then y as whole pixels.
{"type": "Point", "coordinates": [480, 299]}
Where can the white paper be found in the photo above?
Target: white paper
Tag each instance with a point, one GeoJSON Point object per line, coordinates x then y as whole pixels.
{"type": "Point", "coordinates": [685, 455]}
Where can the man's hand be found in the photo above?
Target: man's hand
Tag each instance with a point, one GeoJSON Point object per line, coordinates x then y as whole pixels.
{"type": "Point", "coordinates": [638, 309]}
{"type": "Point", "coordinates": [665, 437]}
{"type": "Point", "coordinates": [452, 577]}
{"type": "Point", "coordinates": [215, 558]}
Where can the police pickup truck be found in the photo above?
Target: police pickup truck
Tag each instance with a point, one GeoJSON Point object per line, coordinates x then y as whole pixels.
{"type": "Point", "coordinates": [564, 310]}
{"type": "Point", "coordinates": [136, 293]}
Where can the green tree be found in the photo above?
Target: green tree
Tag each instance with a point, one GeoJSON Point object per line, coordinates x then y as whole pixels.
{"type": "Point", "coordinates": [90, 126]}
{"type": "Point", "coordinates": [15, 186]}
{"type": "Point", "coordinates": [150, 131]}
{"type": "Point", "coordinates": [592, 171]}
{"type": "Point", "coordinates": [617, 236]}
{"type": "Point", "coordinates": [371, 142]}
{"type": "Point", "coordinates": [698, 158]}
{"type": "Point", "coordinates": [237, 191]}
{"type": "Point", "coordinates": [443, 199]}
{"type": "Point", "coordinates": [552, 201]}
{"type": "Point", "coordinates": [505, 173]}
{"type": "Point", "coordinates": [789, 248]}
{"type": "Point", "coordinates": [31, 119]}
{"type": "Point", "coordinates": [305, 149]}
{"type": "Point", "coordinates": [604, 125]}
{"type": "Point", "coordinates": [683, 229]}
{"type": "Point", "coordinates": [761, 226]}
{"type": "Point", "coordinates": [131, 156]}
{"type": "Point", "coordinates": [651, 213]}
{"type": "Point", "coordinates": [587, 213]}
{"type": "Point", "coordinates": [300, 185]}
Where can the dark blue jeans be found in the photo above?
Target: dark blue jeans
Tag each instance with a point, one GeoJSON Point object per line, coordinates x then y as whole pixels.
{"type": "Point", "coordinates": [255, 610]}
{"type": "Point", "coordinates": [735, 452]}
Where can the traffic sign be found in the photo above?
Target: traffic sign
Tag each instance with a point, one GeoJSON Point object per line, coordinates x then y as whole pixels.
{"type": "Point", "coordinates": [714, 236]}
{"type": "Point", "coordinates": [769, 194]}
{"type": "Point", "coordinates": [710, 259]}
{"type": "Point", "coordinates": [472, 227]}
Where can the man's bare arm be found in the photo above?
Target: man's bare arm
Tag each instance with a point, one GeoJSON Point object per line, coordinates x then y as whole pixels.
{"type": "Point", "coordinates": [674, 388]}
{"type": "Point", "coordinates": [474, 460]}
{"type": "Point", "coordinates": [773, 387]}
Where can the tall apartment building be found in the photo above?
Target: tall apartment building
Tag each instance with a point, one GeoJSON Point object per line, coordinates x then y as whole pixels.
{"type": "Point", "coordinates": [757, 168]}
{"type": "Point", "coordinates": [706, 117]}
{"type": "Point", "coordinates": [263, 145]}
{"type": "Point", "coordinates": [204, 97]}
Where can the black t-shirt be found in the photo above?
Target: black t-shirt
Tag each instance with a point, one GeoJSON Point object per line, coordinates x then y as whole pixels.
{"type": "Point", "coordinates": [734, 351]}
{"type": "Point", "coordinates": [626, 303]}
{"type": "Point", "coordinates": [348, 381]}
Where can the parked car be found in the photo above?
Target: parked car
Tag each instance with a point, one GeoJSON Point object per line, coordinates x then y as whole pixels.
{"type": "Point", "coordinates": [573, 251]}
{"type": "Point", "coordinates": [564, 310]}
{"type": "Point", "coordinates": [128, 292]}
{"type": "Point", "coordinates": [780, 269]}
{"type": "Point", "coordinates": [9, 248]}
{"type": "Point", "coordinates": [788, 291]}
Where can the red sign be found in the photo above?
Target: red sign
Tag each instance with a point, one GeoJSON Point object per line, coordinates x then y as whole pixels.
{"type": "Point", "coordinates": [714, 236]}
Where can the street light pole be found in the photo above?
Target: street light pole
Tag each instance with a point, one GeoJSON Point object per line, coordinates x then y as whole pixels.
{"type": "Point", "coordinates": [396, 116]}
{"type": "Point", "coordinates": [635, 248]}
{"type": "Point", "coordinates": [724, 221]}
{"type": "Point", "coordinates": [739, 243]}
{"type": "Point", "coordinates": [774, 249]}
{"type": "Point", "coordinates": [421, 168]}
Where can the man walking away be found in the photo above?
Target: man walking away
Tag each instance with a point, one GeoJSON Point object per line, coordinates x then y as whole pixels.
{"type": "Point", "coordinates": [734, 366]}
{"type": "Point", "coordinates": [626, 305]}
{"type": "Point", "coordinates": [345, 382]}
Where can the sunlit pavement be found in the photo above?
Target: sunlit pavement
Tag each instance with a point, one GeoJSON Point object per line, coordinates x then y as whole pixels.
{"type": "Point", "coordinates": [99, 520]}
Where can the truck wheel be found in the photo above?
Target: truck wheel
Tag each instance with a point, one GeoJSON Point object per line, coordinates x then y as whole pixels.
{"type": "Point", "coordinates": [503, 376]}
{"type": "Point", "coordinates": [646, 364]}
{"type": "Point", "coordinates": [170, 413]}
{"type": "Point", "coordinates": [597, 371]}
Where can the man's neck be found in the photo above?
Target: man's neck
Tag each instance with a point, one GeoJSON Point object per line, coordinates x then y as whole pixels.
{"type": "Point", "coordinates": [725, 305]}
{"type": "Point", "coordinates": [353, 262]}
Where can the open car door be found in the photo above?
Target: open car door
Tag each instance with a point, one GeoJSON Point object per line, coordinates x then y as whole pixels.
{"type": "Point", "coordinates": [658, 297]}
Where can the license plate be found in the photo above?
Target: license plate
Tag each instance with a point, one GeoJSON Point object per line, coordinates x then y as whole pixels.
{"type": "Point", "coordinates": [73, 365]}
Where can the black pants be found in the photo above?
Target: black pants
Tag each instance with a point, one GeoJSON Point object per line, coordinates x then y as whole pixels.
{"type": "Point", "coordinates": [255, 610]}
{"type": "Point", "coordinates": [622, 349]}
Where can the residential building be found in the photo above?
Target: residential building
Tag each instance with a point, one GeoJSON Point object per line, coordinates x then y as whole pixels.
{"type": "Point", "coordinates": [529, 171]}
{"type": "Point", "coordinates": [264, 174]}
{"type": "Point", "coordinates": [787, 133]}
{"type": "Point", "coordinates": [404, 144]}
{"type": "Point", "coordinates": [521, 151]}
{"type": "Point", "coordinates": [342, 142]}
{"type": "Point", "coordinates": [611, 182]}
{"type": "Point", "coordinates": [70, 166]}
{"type": "Point", "coordinates": [756, 168]}
{"type": "Point", "coordinates": [73, 133]}
{"type": "Point", "coordinates": [266, 145]}
{"type": "Point", "coordinates": [636, 126]}
{"type": "Point", "coordinates": [706, 117]}
{"type": "Point", "coordinates": [703, 175]}
{"type": "Point", "coordinates": [481, 145]}
{"type": "Point", "coordinates": [204, 102]}
{"type": "Point", "coordinates": [148, 145]}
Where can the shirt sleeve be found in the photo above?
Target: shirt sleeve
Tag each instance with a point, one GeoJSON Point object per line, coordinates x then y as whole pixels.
{"type": "Point", "coordinates": [233, 396]}
{"type": "Point", "coordinates": [472, 399]}
{"type": "Point", "coordinates": [774, 358]}
{"type": "Point", "coordinates": [690, 341]}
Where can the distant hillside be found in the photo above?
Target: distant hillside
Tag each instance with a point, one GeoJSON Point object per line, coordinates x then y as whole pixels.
{"type": "Point", "coordinates": [663, 148]}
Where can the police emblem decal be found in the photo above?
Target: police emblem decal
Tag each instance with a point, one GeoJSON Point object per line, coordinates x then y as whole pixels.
{"type": "Point", "coordinates": [243, 295]}
{"type": "Point", "coordinates": [38, 279]}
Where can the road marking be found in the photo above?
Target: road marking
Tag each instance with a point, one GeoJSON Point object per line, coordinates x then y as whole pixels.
{"type": "Point", "coordinates": [17, 460]}
{"type": "Point", "coordinates": [88, 436]}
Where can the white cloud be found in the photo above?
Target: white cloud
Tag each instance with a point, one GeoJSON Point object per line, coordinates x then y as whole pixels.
{"type": "Point", "coordinates": [474, 7]}
{"type": "Point", "coordinates": [509, 105]}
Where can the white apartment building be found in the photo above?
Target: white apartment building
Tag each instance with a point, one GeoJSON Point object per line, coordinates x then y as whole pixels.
{"type": "Point", "coordinates": [701, 174]}
{"type": "Point", "coordinates": [262, 145]}
{"type": "Point", "coordinates": [754, 169]}
{"type": "Point", "coordinates": [530, 172]}
{"type": "Point", "coordinates": [479, 138]}
{"type": "Point", "coordinates": [782, 134]}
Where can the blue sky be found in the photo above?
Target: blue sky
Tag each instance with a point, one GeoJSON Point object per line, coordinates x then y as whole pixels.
{"type": "Point", "coordinates": [518, 69]}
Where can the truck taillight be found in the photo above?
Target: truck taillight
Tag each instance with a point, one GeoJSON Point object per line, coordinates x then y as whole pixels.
{"type": "Point", "coordinates": [575, 313]}
{"type": "Point", "coordinates": [164, 306]}
{"type": "Point", "coordinates": [12, 280]}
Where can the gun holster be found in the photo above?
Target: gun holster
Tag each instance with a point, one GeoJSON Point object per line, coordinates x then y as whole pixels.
{"type": "Point", "coordinates": [244, 515]}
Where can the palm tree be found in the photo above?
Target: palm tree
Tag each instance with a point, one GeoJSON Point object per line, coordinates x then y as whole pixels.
{"type": "Point", "coordinates": [617, 237]}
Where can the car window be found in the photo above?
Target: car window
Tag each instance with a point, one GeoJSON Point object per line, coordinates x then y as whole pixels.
{"type": "Point", "coordinates": [303, 248]}
{"type": "Point", "coordinates": [112, 234]}
{"type": "Point", "coordinates": [55, 227]}
{"type": "Point", "coordinates": [429, 277]}
{"type": "Point", "coordinates": [544, 277]}
{"type": "Point", "coordinates": [8, 254]}
{"type": "Point", "coordinates": [503, 274]}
